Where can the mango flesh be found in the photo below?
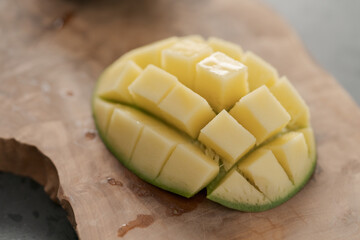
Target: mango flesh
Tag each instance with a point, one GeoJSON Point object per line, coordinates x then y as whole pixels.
{"type": "Point", "coordinates": [181, 58]}
{"type": "Point", "coordinates": [261, 114]}
{"type": "Point", "coordinates": [260, 72]}
{"type": "Point", "coordinates": [184, 114]}
{"type": "Point", "coordinates": [150, 87]}
{"type": "Point", "coordinates": [117, 89]}
{"type": "Point", "coordinates": [292, 153]}
{"type": "Point", "coordinates": [221, 80]}
{"type": "Point", "coordinates": [227, 137]}
{"type": "Point", "coordinates": [291, 100]}
{"type": "Point", "coordinates": [232, 50]}
{"type": "Point", "coordinates": [149, 54]}
{"type": "Point", "coordinates": [157, 152]}
{"type": "Point", "coordinates": [191, 113]}
{"type": "Point", "coordinates": [238, 192]}
{"type": "Point", "coordinates": [124, 143]}
{"type": "Point", "coordinates": [187, 169]}
{"type": "Point", "coordinates": [265, 172]}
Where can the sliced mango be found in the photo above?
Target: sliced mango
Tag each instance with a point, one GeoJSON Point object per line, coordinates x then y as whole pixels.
{"type": "Point", "coordinates": [185, 114]}
{"type": "Point", "coordinates": [227, 137]}
{"type": "Point", "coordinates": [310, 141]}
{"type": "Point", "coordinates": [291, 100]}
{"type": "Point", "coordinates": [102, 113]}
{"type": "Point", "coordinates": [239, 193]}
{"type": "Point", "coordinates": [151, 152]}
{"type": "Point", "coordinates": [232, 50]}
{"type": "Point", "coordinates": [291, 151]}
{"type": "Point", "coordinates": [117, 88]}
{"type": "Point", "coordinates": [191, 113]}
{"type": "Point", "coordinates": [261, 114]}
{"type": "Point", "coordinates": [181, 58]}
{"type": "Point", "coordinates": [221, 80]}
{"type": "Point", "coordinates": [263, 171]}
{"type": "Point", "coordinates": [151, 86]}
{"type": "Point", "coordinates": [123, 133]}
{"type": "Point", "coordinates": [260, 72]}
{"type": "Point", "coordinates": [149, 54]}
{"type": "Point", "coordinates": [187, 169]}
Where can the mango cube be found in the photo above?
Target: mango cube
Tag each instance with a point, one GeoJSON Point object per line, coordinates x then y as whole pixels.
{"type": "Point", "coordinates": [109, 75]}
{"type": "Point", "coordinates": [151, 152]}
{"type": "Point", "coordinates": [291, 100]}
{"type": "Point", "coordinates": [235, 188]}
{"type": "Point", "coordinates": [261, 114]}
{"type": "Point", "coordinates": [123, 133]}
{"type": "Point", "coordinates": [117, 88]}
{"type": "Point", "coordinates": [151, 86]}
{"type": "Point", "coordinates": [232, 50]}
{"type": "Point", "coordinates": [181, 58]}
{"type": "Point", "coordinates": [292, 153]}
{"type": "Point", "coordinates": [103, 112]}
{"type": "Point", "coordinates": [227, 137]}
{"type": "Point", "coordinates": [310, 141]}
{"type": "Point", "coordinates": [187, 110]}
{"type": "Point", "coordinates": [221, 80]}
{"type": "Point", "coordinates": [149, 54]}
{"type": "Point", "coordinates": [264, 171]}
{"type": "Point", "coordinates": [260, 72]}
{"type": "Point", "coordinates": [188, 169]}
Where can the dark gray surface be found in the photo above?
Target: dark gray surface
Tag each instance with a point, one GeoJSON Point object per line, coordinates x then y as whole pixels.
{"type": "Point", "coordinates": [26, 212]}
{"type": "Point", "coordinates": [330, 30]}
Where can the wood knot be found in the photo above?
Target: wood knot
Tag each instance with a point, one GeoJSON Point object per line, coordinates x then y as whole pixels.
{"type": "Point", "coordinates": [90, 135]}
{"type": "Point", "coordinates": [114, 182]}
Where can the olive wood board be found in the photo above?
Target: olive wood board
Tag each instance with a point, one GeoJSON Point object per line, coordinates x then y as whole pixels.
{"type": "Point", "coordinates": [51, 53]}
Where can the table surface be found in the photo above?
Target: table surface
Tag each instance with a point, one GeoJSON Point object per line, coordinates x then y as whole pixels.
{"type": "Point", "coordinates": [327, 31]}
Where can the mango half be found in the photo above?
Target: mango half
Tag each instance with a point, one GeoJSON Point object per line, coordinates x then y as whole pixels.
{"type": "Point", "coordinates": [186, 113]}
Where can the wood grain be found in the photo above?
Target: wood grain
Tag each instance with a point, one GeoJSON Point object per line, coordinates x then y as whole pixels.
{"type": "Point", "coordinates": [51, 53]}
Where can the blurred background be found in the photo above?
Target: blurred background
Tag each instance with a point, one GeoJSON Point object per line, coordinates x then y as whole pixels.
{"type": "Point", "coordinates": [330, 32]}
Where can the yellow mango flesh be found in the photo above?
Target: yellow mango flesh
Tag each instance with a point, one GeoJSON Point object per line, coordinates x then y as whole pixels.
{"type": "Point", "coordinates": [291, 100]}
{"type": "Point", "coordinates": [191, 113]}
{"type": "Point", "coordinates": [155, 150]}
{"type": "Point", "coordinates": [117, 89]}
{"type": "Point", "coordinates": [151, 86]}
{"type": "Point", "coordinates": [185, 113]}
{"type": "Point", "coordinates": [261, 114]}
{"type": "Point", "coordinates": [103, 111]}
{"type": "Point", "coordinates": [260, 72]}
{"type": "Point", "coordinates": [158, 92]}
{"type": "Point", "coordinates": [221, 80]}
{"type": "Point", "coordinates": [264, 171]}
{"type": "Point", "coordinates": [227, 137]}
{"type": "Point", "coordinates": [188, 169]}
{"type": "Point", "coordinates": [291, 151]}
{"type": "Point", "coordinates": [310, 141]}
{"type": "Point", "coordinates": [109, 76]}
{"type": "Point", "coordinates": [149, 54]}
{"type": "Point", "coordinates": [181, 58]}
{"type": "Point", "coordinates": [232, 50]}
{"type": "Point", "coordinates": [123, 132]}
{"type": "Point", "coordinates": [235, 188]}
{"type": "Point", "coordinates": [151, 152]}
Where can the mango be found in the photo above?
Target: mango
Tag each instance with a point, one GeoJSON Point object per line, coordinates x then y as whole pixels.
{"type": "Point", "coordinates": [186, 114]}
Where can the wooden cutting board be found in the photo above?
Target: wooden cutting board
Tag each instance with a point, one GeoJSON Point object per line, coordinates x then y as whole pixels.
{"type": "Point", "coordinates": [51, 53]}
